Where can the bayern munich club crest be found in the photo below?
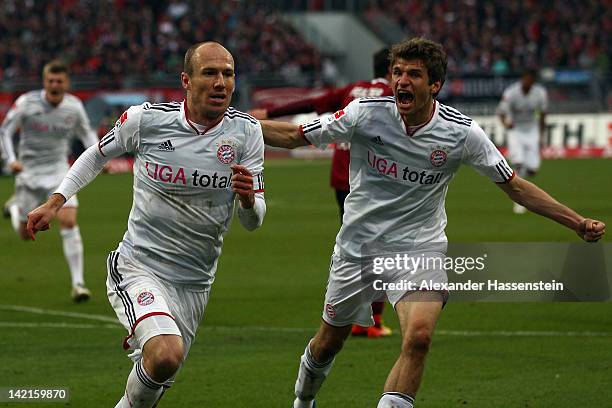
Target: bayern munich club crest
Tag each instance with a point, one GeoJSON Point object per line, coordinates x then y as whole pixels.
{"type": "Point", "coordinates": [145, 298]}
{"type": "Point", "coordinates": [438, 156]}
{"type": "Point", "coordinates": [226, 154]}
{"type": "Point", "coordinates": [330, 311]}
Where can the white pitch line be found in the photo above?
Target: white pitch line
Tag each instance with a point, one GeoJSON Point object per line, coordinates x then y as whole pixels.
{"type": "Point", "coordinates": [57, 325]}
{"type": "Point", "coordinates": [456, 333]}
{"type": "Point", "coordinates": [520, 333]}
{"type": "Point", "coordinates": [36, 310]}
{"type": "Point", "coordinates": [205, 327]}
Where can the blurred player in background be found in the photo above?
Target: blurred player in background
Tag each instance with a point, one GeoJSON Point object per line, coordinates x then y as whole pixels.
{"type": "Point", "coordinates": [522, 111]}
{"type": "Point", "coordinates": [191, 161]}
{"type": "Point", "coordinates": [404, 152]}
{"type": "Point", "coordinates": [331, 101]}
{"type": "Point", "coordinates": [47, 121]}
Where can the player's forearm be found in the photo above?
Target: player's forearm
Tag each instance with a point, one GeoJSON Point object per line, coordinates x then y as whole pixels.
{"type": "Point", "coordinates": [6, 144]}
{"type": "Point", "coordinates": [82, 172]}
{"type": "Point", "coordinates": [89, 138]}
{"type": "Point", "coordinates": [504, 120]}
{"type": "Point", "coordinates": [282, 134]}
{"type": "Point", "coordinates": [252, 218]}
{"type": "Point", "coordinates": [542, 126]}
{"type": "Point", "coordinates": [540, 202]}
{"type": "Point", "coordinates": [56, 201]}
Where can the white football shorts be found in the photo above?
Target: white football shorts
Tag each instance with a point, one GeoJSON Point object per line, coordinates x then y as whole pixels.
{"type": "Point", "coordinates": [524, 147]}
{"type": "Point", "coordinates": [28, 199]}
{"type": "Point", "coordinates": [148, 306]}
{"type": "Point", "coordinates": [354, 285]}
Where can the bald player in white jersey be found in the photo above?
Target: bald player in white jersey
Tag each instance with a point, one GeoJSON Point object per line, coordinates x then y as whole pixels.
{"type": "Point", "coordinates": [47, 120]}
{"type": "Point", "coordinates": [404, 152]}
{"type": "Point", "coordinates": [522, 111]}
{"type": "Point", "coordinates": [191, 161]}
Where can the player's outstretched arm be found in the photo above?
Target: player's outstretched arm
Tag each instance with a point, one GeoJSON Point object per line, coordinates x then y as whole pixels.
{"type": "Point", "coordinates": [540, 202]}
{"type": "Point", "coordinates": [39, 218]}
{"type": "Point", "coordinates": [282, 134]}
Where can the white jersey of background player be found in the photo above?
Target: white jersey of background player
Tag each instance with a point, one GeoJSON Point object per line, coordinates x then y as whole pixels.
{"type": "Point", "coordinates": [522, 111]}
{"type": "Point", "coordinates": [191, 160]}
{"type": "Point", "coordinates": [404, 152]}
{"type": "Point", "coordinates": [47, 121]}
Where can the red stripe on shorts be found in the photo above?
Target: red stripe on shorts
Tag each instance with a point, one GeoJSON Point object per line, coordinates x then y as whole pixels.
{"type": "Point", "coordinates": [126, 346]}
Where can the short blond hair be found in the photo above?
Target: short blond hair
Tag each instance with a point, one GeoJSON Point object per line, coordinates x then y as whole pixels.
{"type": "Point", "coordinates": [55, 67]}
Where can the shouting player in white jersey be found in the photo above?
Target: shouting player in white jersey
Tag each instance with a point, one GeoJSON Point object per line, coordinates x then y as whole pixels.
{"type": "Point", "coordinates": [191, 160]}
{"type": "Point", "coordinates": [522, 111]}
{"type": "Point", "coordinates": [405, 150]}
{"type": "Point", "coordinates": [47, 121]}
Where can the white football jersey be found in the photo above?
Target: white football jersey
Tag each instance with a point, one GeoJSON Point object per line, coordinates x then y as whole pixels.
{"type": "Point", "coordinates": [398, 183]}
{"type": "Point", "coordinates": [183, 202]}
{"type": "Point", "coordinates": [45, 135]}
{"type": "Point", "coordinates": [523, 109]}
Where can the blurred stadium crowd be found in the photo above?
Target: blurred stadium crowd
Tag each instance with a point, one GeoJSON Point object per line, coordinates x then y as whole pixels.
{"type": "Point", "coordinates": [117, 39]}
{"type": "Point", "coordinates": [507, 36]}
{"type": "Point", "coordinates": [114, 39]}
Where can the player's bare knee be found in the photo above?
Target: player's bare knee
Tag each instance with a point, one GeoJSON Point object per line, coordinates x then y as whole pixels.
{"type": "Point", "coordinates": [67, 224]}
{"type": "Point", "coordinates": [164, 356]}
{"type": "Point", "coordinates": [417, 341]}
{"type": "Point", "coordinates": [67, 217]}
{"type": "Point", "coordinates": [166, 365]}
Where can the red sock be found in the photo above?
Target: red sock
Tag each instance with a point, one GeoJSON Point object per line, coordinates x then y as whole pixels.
{"type": "Point", "coordinates": [377, 310]}
{"type": "Point", "coordinates": [378, 307]}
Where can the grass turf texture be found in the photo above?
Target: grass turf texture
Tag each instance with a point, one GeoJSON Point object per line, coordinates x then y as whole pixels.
{"type": "Point", "coordinates": [266, 304]}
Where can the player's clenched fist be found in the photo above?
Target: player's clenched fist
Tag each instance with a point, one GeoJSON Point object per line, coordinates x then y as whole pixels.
{"type": "Point", "coordinates": [16, 167]}
{"type": "Point", "coordinates": [591, 230]}
{"type": "Point", "coordinates": [39, 218]}
{"type": "Point", "coordinates": [242, 184]}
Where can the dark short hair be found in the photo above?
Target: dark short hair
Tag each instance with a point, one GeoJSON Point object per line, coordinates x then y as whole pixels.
{"type": "Point", "coordinates": [187, 65]}
{"type": "Point", "coordinates": [430, 52]}
{"type": "Point", "coordinates": [532, 72]}
{"type": "Point", "coordinates": [55, 67]}
{"type": "Point", "coordinates": [381, 63]}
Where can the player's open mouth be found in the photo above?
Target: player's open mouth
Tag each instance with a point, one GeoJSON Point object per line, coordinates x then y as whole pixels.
{"type": "Point", "coordinates": [405, 97]}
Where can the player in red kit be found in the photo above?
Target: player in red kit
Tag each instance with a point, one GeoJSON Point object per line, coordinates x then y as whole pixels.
{"type": "Point", "coordinates": [331, 101]}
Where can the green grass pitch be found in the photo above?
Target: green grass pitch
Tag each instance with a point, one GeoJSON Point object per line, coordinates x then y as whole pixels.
{"type": "Point", "coordinates": [267, 298]}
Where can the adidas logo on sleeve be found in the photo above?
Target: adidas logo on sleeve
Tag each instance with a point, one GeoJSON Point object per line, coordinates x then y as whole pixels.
{"type": "Point", "coordinates": [167, 146]}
